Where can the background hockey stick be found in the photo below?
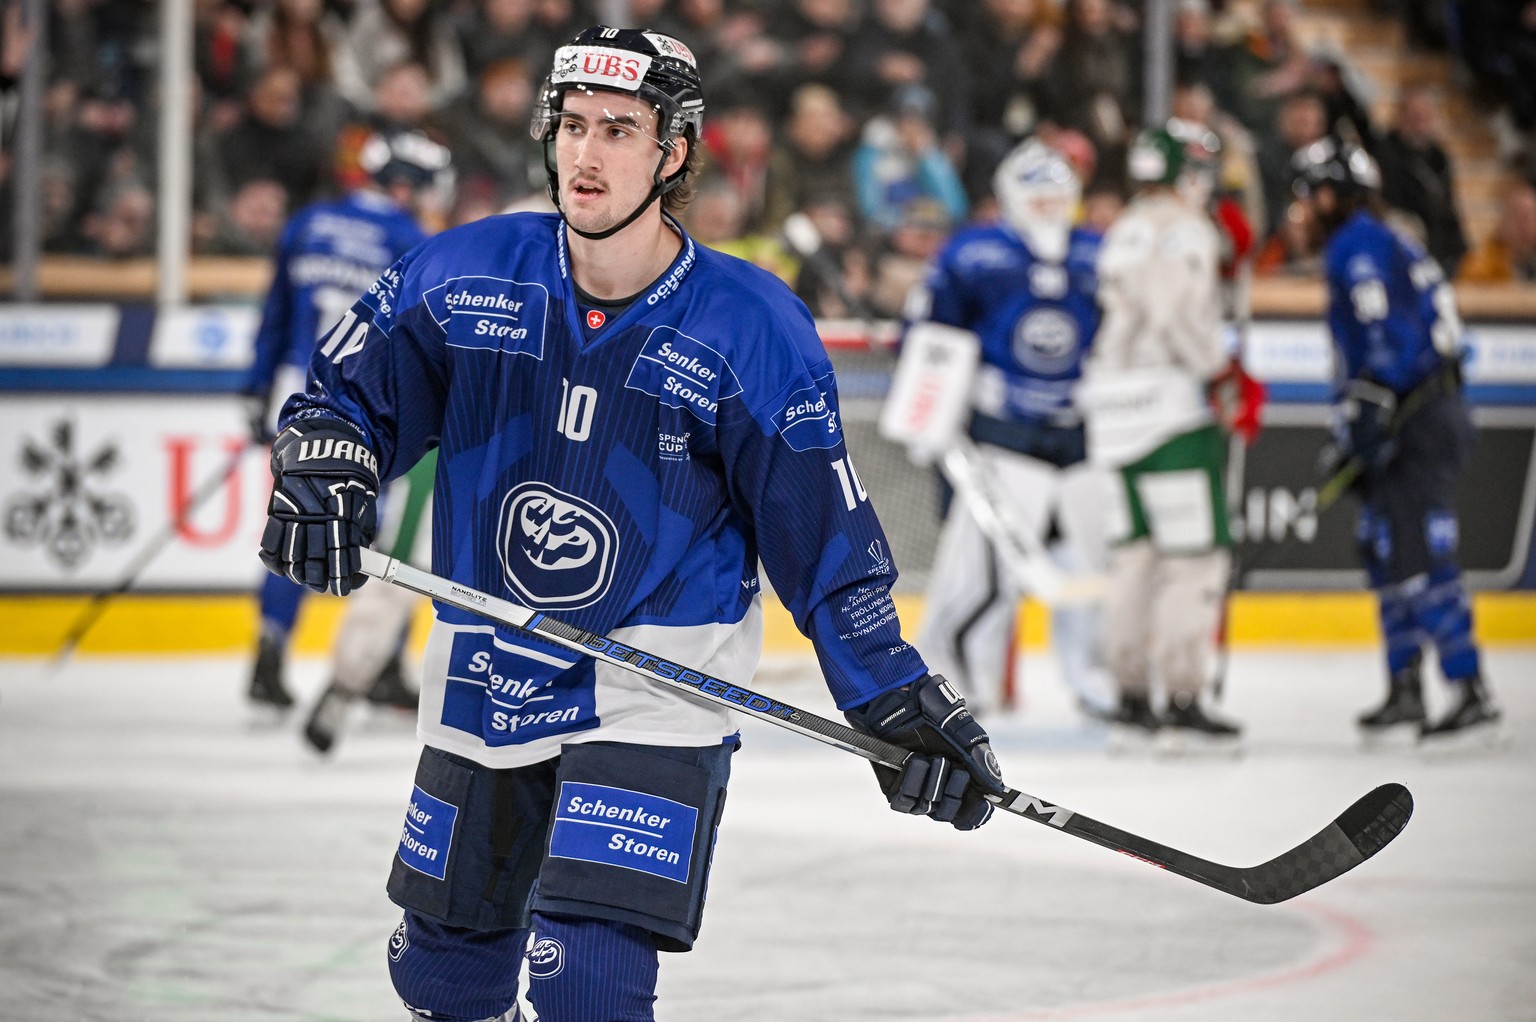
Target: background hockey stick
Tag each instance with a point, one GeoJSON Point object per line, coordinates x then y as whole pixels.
{"type": "Point", "coordinates": [92, 611]}
{"type": "Point", "coordinates": [1359, 833]}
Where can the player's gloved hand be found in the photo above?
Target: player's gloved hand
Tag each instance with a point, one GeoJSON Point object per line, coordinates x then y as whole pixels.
{"type": "Point", "coordinates": [954, 767]}
{"type": "Point", "coordinates": [1368, 411]}
{"type": "Point", "coordinates": [1236, 399]}
{"type": "Point", "coordinates": [325, 484]}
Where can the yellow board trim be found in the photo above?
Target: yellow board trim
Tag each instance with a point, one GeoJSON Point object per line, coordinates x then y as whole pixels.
{"type": "Point", "coordinates": [211, 625]}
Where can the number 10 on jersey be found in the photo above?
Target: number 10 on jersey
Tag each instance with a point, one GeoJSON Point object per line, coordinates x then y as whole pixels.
{"type": "Point", "coordinates": [577, 405]}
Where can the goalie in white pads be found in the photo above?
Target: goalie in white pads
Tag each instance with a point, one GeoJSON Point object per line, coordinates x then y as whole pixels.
{"type": "Point", "coordinates": [1146, 391]}
{"type": "Point", "coordinates": [1024, 288]}
{"type": "Point", "coordinates": [1151, 392]}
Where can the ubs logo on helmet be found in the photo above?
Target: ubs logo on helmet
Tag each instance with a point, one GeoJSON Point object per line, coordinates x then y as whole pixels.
{"type": "Point", "coordinates": [546, 958]}
{"type": "Point", "coordinates": [557, 551]}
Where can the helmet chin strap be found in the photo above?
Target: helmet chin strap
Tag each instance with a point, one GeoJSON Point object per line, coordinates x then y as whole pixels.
{"type": "Point", "coordinates": [659, 188]}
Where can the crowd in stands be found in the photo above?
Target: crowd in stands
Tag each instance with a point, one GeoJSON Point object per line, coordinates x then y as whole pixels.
{"type": "Point", "coordinates": [879, 120]}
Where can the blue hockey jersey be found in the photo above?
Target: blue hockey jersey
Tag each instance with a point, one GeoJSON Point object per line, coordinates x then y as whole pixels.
{"type": "Point", "coordinates": [1390, 309]}
{"type": "Point", "coordinates": [330, 253]}
{"type": "Point", "coordinates": [627, 483]}
{"type": "Point", "coordinates": [1036, 319]}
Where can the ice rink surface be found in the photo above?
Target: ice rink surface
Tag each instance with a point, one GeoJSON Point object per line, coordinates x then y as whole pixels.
{"type": "Point", "coordinates": [167, 857]}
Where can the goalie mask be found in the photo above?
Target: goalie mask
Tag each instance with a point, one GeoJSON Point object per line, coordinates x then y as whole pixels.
{"type": "Point", "coordinates": [655, 68]}
{"type": "Point", "coordinates": [1038, 193]}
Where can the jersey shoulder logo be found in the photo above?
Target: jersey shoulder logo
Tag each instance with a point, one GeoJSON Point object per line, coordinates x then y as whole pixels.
{"type": "Point", "coordinates": [490, 313]}
{"type": "Point", "coordinates": [683, 372]}
{"type": "Point", "coordinates": [557, 551]}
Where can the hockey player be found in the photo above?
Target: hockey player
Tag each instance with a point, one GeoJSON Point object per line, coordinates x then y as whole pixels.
{"type": "Point", "coordinates": [1025, 287]}
{"type": "Point", "coordinates": [1158, 357]}
{"type": "Point", "coordinates": [625, 423]}
{"type": "Point", "coordinates": [330, 252]}
{"type": "Point", "coordinates": [1404, 424]}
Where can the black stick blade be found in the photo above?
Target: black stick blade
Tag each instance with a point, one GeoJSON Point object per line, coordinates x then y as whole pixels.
{"type": "Point", "coordinates": [1361, 831]}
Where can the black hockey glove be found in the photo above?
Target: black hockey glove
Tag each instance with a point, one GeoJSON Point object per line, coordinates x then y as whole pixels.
{"type": "Point", "coordinates": [325, 483]}
{"type": "Point", "coordinates": [1368, 411]}
{"type": "Point", "coordinates": [954, 767]}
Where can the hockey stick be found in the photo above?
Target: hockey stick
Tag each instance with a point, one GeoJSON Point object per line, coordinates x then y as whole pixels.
{"type": "Point", "coordinates": [91, 613]}
{"type": "Point", "coordinates": [1359, 833]}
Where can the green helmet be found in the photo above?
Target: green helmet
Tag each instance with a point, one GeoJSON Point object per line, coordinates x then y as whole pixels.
{"type": "Point", "coordinates": [1161, 156]}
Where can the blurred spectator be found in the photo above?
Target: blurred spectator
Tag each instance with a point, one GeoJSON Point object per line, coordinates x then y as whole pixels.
{"type": "Point", "coordinates": [487, 131]}
{"type": "Point", "coordinates": [123, 224]}
{"type": "Point", "coordinates": [738, 139]}
{"type": "Point", "coordinates": [556, 22]}
{"type": "Point", "coordinates": [107, 47]}
{"type": "Point", "coordinates": [905, 43]}
{"type": "Point", "coordinates": [717, 218]}
{"type": "Point", "coordinates": [103, 141]}
{"type": "Point", "coordinates": [1498, 42]}
{"type": "Point", "coordinates": [270, 140]}
{"type": "Point", "coordinates": [1417, 178]}
{"type": "Point", "coordinates": [815, 36]}
{"type": "Point", "coordinates": [1269, 65]}
{"type": "Point", "coordinates": [899, 161]}
{"type": "Point", "coordinates": [1197, 57]}
{"type": "Point", "coordinates": [60, 226]}
{"type": "Point", "coordinates": [1007, 49]}
{"type": "Point", "coordinates": [251, 222]}
{"type": "Point", "coordinates": [834, 278]}
{"type": "Point", "coordinates": [730, 43]}
{"type": "Point", "coordinates": [813, 156]}
{"type": "Point", "coordinates": [1300, 121]}
{"type": "Point", "coordinates": [225, 67]}
{"type": "Point", "coordinates": [1091, 84]}
{"type": "Point", "coordinates": [1510, 253]}
{"type": "Point", "coordinates": [497, 30]}
{"type": "Point", "coordinates": [924, 225]}
{"type": "Point", "coordinates": [1294, 249]}
{"type": "Point", "coordinates": [401, 102]}
{"type": "Point", "coordinates": [385, 33]}
{"type": "Point", "coordinates": [304, 36]}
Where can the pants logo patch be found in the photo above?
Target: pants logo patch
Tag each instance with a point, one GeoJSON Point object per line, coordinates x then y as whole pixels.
{"type": "Point", "coordinates": [427, 835]}
{"type": "Point", "coordinates": [623, 828]}
{"type": "Point", "coordinates": [546, 958]}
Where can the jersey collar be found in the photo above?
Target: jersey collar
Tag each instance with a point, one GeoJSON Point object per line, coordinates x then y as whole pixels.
{"type": "Point", "coordinates": [659, 290]}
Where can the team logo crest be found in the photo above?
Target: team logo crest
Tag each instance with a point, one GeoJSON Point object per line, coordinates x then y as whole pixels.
{"type": "Point", "coordinates": [557, 550]}
{"type": "Point", "coordinates": [398, 942]}
{"type": "Point", "coordinates": [546, 958]}
{"type": "Point", "coordinates": [1045, 341]}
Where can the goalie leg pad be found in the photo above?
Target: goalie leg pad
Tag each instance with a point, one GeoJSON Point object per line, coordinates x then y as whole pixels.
{"type": "Point", "coordinates": [1187, 610]}
{"type": "Point", "coordinates": [633, 835]}
{"type": "Point", "coordinates": [1128, 615]}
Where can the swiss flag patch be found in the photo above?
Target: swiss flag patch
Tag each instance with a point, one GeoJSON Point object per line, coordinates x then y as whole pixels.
{"type": "Point", "coordinates": [595, 319]}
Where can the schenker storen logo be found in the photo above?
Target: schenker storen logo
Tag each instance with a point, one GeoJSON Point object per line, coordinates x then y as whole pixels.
{"type": "Point", "coordinates": [557, 551]}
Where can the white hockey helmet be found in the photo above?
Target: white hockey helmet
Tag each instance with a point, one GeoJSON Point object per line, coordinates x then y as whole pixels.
{"type": "Point", "coordinates": [1038, 192]}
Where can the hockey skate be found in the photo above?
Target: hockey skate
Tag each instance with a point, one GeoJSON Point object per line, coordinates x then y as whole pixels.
{"type": "Point", "coordinates": [1188, 728]}
{"type": "Point", "coordinates": [390, 690]}
{"type": "Point", "coordinates": [328, 718]}
{"type": "Point", "coordinates": [1133, 724]}
{"type": "Point", "coordinates": [267, 687]}
{"type": "Point", "coordinates": [1401, 716]}
{"type": "Point", "coordinates": [1471, 722]}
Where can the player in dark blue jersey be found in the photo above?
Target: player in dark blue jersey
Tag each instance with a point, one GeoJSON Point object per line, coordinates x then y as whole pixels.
{"type": "Point", "coordinates": [1025, 286]}
{"type": "Point", "coordinates": [625, 423]}
{"type": "Point", "coordinates": [330, 252]}
{"type": "Point", "coordinates": [1398, 352]}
